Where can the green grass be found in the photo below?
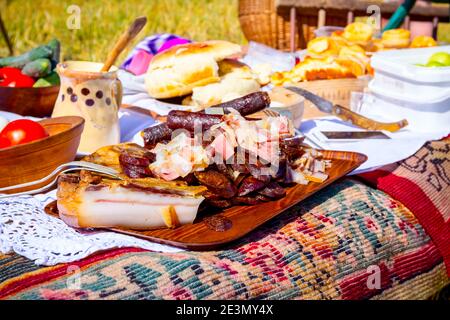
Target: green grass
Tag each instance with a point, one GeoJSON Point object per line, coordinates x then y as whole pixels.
{"type": "Point", "coordinates": [31, 22]}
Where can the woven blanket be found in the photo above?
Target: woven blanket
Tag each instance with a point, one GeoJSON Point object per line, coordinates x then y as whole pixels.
{"type": "Point", "coordinates": [349, 241]}
{"type": "Point", "coordinates": [422, 183]}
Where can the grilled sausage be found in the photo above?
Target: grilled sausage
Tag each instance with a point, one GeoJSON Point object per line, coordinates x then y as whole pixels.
{"type": "Point", "coordinates": [155, 134]}
{"type": "Point", "coordinates": [188, 120]}
{"type": "Point", "coordinates": [248, 104]}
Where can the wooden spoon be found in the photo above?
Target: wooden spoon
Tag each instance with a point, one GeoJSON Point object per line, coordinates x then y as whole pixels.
{"type": "Point", "coordinates": [123, 42]}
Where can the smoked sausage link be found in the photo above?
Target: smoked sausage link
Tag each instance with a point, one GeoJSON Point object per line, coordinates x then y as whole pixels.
{"type": "Point", "coordinates": [178, 119]}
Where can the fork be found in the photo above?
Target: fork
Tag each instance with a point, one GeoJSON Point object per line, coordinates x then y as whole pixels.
{"type": "Point", "coordinates": [270, 113]}
{"type": "Point", "coordinates": [76, 165]}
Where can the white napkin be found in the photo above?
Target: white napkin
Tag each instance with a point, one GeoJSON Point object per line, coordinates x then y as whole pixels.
{"type": "Point", "coordinates": [259, 54]}
{"type": "Point", "coordinates": [403, 144]}
{"type": "Point", "coordinates": [26, 229]}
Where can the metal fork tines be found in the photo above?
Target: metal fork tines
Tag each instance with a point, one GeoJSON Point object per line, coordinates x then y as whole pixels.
{"type": "Point", "coordinates": [64, 168]}
{"type": "Point", "coordinates": [270, 113]}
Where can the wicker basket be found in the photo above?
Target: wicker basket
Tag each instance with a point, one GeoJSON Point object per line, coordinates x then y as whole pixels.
{"type": "Point", "coordinates": [290, 24]}
{"type": "Point", "coordinates": [261, 23]}
{"type": "Point", "coordinates": [338, 91]}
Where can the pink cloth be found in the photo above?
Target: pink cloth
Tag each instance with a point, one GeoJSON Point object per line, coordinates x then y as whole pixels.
{"type": "Point", "coordinates": [139, 59]}
{"type": "Point", "coordinates": [140, 62]}
{"type": "Point", "coordinates": [174, 42]}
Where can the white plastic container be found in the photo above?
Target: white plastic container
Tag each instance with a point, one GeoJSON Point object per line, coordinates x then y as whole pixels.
{"type": "Point", "coordinates": [404, 90]}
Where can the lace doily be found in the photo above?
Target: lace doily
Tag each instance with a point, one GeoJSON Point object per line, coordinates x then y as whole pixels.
{"type": "Point", "coordinates": [27, 230]}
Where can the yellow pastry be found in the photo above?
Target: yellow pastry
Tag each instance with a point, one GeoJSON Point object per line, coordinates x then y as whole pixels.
{"type": "Point", "coordinates": [396, 38]}
{"type": "Point", "coordinates": [358, 32]}
{"type": "Point", "coordinates": [375, 45]}
{"type": "Point", "coordinates": [423, 42]}
{"type": "Point", "coordinates": [322, 47]}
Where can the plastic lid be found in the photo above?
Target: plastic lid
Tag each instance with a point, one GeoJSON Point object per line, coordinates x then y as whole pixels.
{"type": "Point", "coordinates": [402, 64]}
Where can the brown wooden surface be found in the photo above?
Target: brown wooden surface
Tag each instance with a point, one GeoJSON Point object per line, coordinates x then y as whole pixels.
{"type": "Point", "coordinates": [367, 123]}
{"type": "Point", "coordinates": [35, 102]}
{"type": "Point", "coordinates": [198, 236]}
{"type": "Point", "coordinates": [35, 160]}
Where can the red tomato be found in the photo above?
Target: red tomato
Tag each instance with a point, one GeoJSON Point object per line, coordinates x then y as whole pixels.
{"type": "Point", "coordinates": [13, 77]}
{"type": "Point", "coordinates": [21, 131]}
{"type": "Point", "coordinates": [4, 143]}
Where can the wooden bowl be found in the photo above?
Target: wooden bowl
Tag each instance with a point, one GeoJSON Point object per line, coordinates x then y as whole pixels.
{"type": "Point", "coordinates": [35, 102]}
{"type": "Point", "coordinates": [35, 160]}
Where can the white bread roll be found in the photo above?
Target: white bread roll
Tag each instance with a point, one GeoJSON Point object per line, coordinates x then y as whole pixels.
{"type": "Point", "coordinates": [175, 72]}
{"type": "Point", "coordinates": [236, 80]}
{"type": "Point", "coordinates": [227, 89]}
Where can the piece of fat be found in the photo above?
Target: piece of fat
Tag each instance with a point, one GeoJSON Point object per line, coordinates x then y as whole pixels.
{"type": "Point", "coordinates": [125, 207]}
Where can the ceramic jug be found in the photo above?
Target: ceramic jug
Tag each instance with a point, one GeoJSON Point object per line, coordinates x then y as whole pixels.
{"type": "Point", "coordinates": [96, 96]}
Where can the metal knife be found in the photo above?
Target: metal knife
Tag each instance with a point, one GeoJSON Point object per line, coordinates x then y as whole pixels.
{"type": "Point", "coordinates": [346, 114]}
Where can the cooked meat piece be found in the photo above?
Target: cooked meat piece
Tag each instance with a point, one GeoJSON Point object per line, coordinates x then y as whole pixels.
{"type": "Point", "coordinates": [156, 134]}
{"type": "Point", "coordinates": [188, 120]}
{"type": "Point", "coordinates": [250, 184]}
{"type": "Point", "coordinates": [273, 190]}
{"type": "Point", "coordinates": [281, 168]}
{"type": "Point", "coordinates": [110, 155]}
{"type": "Point", "coordinates": [136, 172]}
{"type": "Point", "coordinates": [288, 178]}
{"type": "Point", "coordinates": [225, 169]}
{"type": "Point", "coordinates": [258, 172]}
{"type": "Point", "coordinates": [136, 159]}
{"type": "Point", "coordinates": [217, 183]}
{"type": "Point", "coordinates": [248, 104]}
{"type": "Point", "coordinates": [241, 168]}
{"type": "Point", "coordinates": [239, 179]}
{"type": "Point", "coordinates": [292, 148]}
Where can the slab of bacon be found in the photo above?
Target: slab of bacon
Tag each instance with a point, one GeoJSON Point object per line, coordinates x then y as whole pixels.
{"type": "Point", "coordinates": [87, 201]}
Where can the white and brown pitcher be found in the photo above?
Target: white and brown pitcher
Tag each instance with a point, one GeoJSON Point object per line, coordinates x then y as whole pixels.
{"type": "Point", "coordinates": [96, 96]}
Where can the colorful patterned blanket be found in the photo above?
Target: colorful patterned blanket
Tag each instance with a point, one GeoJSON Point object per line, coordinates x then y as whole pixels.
{"type": "Point", "coordinates": [350, 241]}
{"type": "Point", "coordinates": [422, 183]}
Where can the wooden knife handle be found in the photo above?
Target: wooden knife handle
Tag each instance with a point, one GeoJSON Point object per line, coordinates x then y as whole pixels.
{"type": "Point", "coordinates": [123, 42]}
{"type": "Point", "coordinates": [366, 123]}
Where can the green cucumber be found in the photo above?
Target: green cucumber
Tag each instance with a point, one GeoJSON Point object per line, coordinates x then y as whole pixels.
{"type": "Point", "coordinates": [19, 62]}
{"type": "Point", "coordinates": [51, 80]}
{"type": "Point", "coordinates": [55, 45]}
{"type": "Point", "coordinates": [38, 68]}
{"type": "Point", "coordinates": [41, 83]}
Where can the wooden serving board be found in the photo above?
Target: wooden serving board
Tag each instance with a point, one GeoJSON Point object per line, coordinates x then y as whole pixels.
{"type": "Point", "coordinates": [238, 221]}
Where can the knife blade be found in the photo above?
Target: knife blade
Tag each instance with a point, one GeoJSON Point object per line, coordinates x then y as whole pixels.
{"type": "Point", "coordinates": [346, 114]}
{"type": "Point", "coordinates": [321, 103]}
